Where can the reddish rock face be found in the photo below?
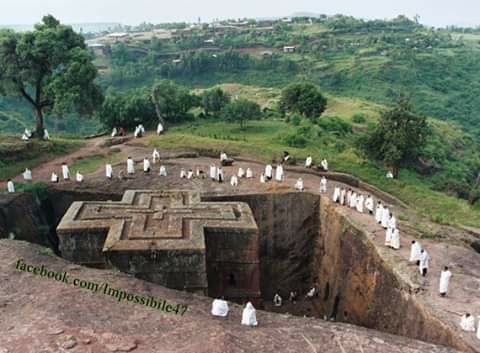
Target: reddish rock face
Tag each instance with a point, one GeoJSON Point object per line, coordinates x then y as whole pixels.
{"type": "Point", "coordinates": [42, 315]}
{"type": "Point", "coordinates": [170, 238]}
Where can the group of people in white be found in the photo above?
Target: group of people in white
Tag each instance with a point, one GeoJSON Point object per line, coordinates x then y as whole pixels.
{"type": "Point", "coordinates": [341, 195]}
{"type": "Point", "coordinates": [249, 315]}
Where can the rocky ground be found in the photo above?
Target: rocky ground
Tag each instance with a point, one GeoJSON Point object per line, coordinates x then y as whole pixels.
{"type": "Point", "coordinates": [447, 248]}
{"type": "Point", "coordinates": [40, 315]}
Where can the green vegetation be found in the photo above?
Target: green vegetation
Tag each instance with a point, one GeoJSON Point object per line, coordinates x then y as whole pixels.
{"type": "Point", "coordinates": [128, 109]}
{"type": "Point", "coordinates": [391, 142]}
{"type": "Point", "coordinates": [15, 156]}
{"type": "Point", "coordinates": [93, 163]}
{"type": "Point", "coordinates": [241, 110]}
{"type": "Point", "coordinates": [304, 98]}
{"type": "Point", "coordinates": [50, 68]}
{"type": "Point", "coordinates": [265, 140]}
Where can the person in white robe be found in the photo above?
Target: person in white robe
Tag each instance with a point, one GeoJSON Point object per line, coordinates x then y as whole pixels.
{"type": "Point", "coordinates": [220, 307]}
{"type": "Point", "coordinates": [220, 175]}
{"type": "Point", "coordinates": [27, 175]}
{"type": "Point", "coordinates": [114, 132]}
{"type": "Point", "coordinates": [249, 316]}
{"type": "Point", "coordinates": [54, 178]}
{"type": "Point", "coordinates": [360, 201]}
{"type": "Point", "coordinates": [234, 180]}
{"type": "Point", "coordinates": [262, 178]}
{"type": "Point", "coordinates": [155, 156]}
{"type": "Point", "coordinates": [336, 194]}
{"type": "Point", "coordinates": [343, 193]}
{"type": "Point", "coordinates": [268, 172]}
{"type": "Point", "coordinates": [385, 217]}
{"type": "Point", "coordinates": [159, 129]}
{"type": "Point", "coordinates": [424, 260]}
{"type": "Point", "coordinates": [308, 162]}
{"type": "Point", "coordinates": [136, 133]}
{"type": "Point", "coordinates": [389, 175]}
{"type": "Point", "coordinates": [141, 129]}
{"type": "Point", "coordinates": [392, 222]}
{"type": "Point", "coordinates": [311, 293]}
{"type": "Point", "coordinates": [190, 174]}
{"type": "Point", "coordinates": [349, 196]}
{"type": "Point", "coordinates": [286, 156]}
{"type": "Point", "coordinates": [183, 174]}
{"type": "Point", "coordinates": [241, 172]}
{"type": "Point", "coordinates": [130, 166]}
{"type": "Point", "coordinates": [299, 184]}
{"type": "Point", "coordinates": [415, 251]}
{"type": "Point", "coordinates": [324, 164]}
{"type": "Point", "coordinates": [78, 177]}
{"type": "Point", "coordinates": [146, 165]}
{"type": "Point", "coordinates": [25, 137]}
{"type": "Point", "coordinates": [445, 276]}
{"type": "Point", "coordinates": [478, 329]}
{"type": "Point", "coordinates": [65, 171]}
{"type": "Point", "coordinates": [223, 156]}
{"type": "Point", "coordinates": [379, 212]}
{"type": "Point", "coordinates": [46, 135]}
{"type": "Point", "coordinates": [395, 239]}
{"type": "Point", "coordinates": [279, 173]}
{"type": "Point", "coordinates": [277, 300]}
{"type": "Point", "coordinates": [163, 171]}
{"type": "Point", "coordinates": [213, 172]}
{"type": "Point", "coordinates": [467, 323]}
{"type": "Point", "coordinates": [369, 204]}
{"type": "Point", "coordinates": [10, 186]}
{"type": "Point", "coordinates": [108, 171]}
{"type": "Point", "coordinates": [353, 200]}
{"type": "Point", "coordinates": [249, 173]}
{"type": "Point", "coordinates": [292, 297]}
{"type": "Point", "coordinates": [323, 185]}
{"type": "Point", "coordinates": [388, 237]}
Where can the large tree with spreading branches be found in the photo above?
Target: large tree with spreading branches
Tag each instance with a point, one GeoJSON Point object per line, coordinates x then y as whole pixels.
{"type": "Point", "coordinates": [51, 69]}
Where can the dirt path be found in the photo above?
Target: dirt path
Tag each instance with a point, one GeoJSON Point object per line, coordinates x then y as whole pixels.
{"type": "Point", "coordinates": [465, 264]}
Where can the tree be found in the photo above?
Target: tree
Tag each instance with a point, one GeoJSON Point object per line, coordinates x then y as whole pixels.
{"type": "Point", "coordinates": [214, 100]}
{"type": "Point", "coordinates": [303, 98]}
{"type": "Point", "coordinates": [51, 69]}
{"type": "Point", "coordinates": [128, 109]}
{"type": "Point", "coordinates": [172, 102]}
{"type": "Point", "coordinates": [241, 110]}
{"type": "Point", "coordinates": [400, 136]}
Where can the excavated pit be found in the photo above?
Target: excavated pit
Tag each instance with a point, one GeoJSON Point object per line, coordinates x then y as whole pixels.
{"type": "Point", "coordinates": [304, 241]}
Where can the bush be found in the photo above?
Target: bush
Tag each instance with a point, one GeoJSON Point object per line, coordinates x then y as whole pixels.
{"type": "Point", "coordinates": [295, 119]}
{"type": "Point", "coordinates": [334, 125]}
{"type": "Point", "coordinates": [358, 118]}
{"type": "Point", "coordinates": [297, 140]}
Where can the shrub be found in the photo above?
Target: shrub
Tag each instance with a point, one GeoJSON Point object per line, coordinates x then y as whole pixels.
{"type": "Point", "coordinates": [358, 118]}
{"type": "Point", "coordinates": [334, 125]}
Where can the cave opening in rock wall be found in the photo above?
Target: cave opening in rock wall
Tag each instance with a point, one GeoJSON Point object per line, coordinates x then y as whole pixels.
{"type": "Point", "coordinates": [303, 242]}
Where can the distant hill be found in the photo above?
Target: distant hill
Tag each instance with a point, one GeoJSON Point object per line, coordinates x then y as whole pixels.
{"type": "Point", "coordinates": [79, 27]}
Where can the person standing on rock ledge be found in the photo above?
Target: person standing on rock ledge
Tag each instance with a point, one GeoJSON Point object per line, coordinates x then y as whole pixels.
{"type": "Point", "coordinates": [65, 171]}
{"type": "Point", "coordinates": [444, 281]}
{"type": "Point", "coordinates": [424, 259]}
{"type": "Point", "coordinates": [130, 166]}
{"type": "Point", "coordinates": [108, 171]}
{"type": "Point", "coordinates": [10, 186]}
{"type": "Point", "coordinates": [323, 185]}
{"type": "Point", "coordinates": [415, 251]}
{"type": "Point", "coordinates": [249, 316]}
{"type": "Point", "coordinates": [277, 300]}
{"type": "Point", "coordinates": [467, 323]}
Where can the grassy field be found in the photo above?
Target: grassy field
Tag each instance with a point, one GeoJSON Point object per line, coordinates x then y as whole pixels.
{"type": "Point", "coordinates": [16, 155]}
{"type": "Point", "coordinates": [91, 164]}
{"type": "Point", "coordinates": [263, 140]}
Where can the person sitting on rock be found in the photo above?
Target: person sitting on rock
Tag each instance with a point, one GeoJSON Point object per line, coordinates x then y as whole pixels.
{"type": "Point", "coordinates": [293, 296]}
{"type": "Point", "coordinates": [54, 178]}
{"type": "Point", "coordinates": [27, 175]}
{"type": "Point", "coordinates": [308, 162]}
{"type": "Point", "coordinates": [220, 307]}
{"type": "Point", "coordinates": [78, 177]}
{"type": "Point", "coordinates": [146, 165]}
{"type": "Point", "coordinates": [114, 132]}
{"type": "Point", "coordinates": [299, 184]}
{"type": "Point", "coordinates": [163, 171]}
{"type": "Point", "coordinates": [311, 293]}
{"type": "Point", "coordinates": [249, 174]}
{"type": "Point", "coordinates": [467, 323]}
{"type": "Point", "coordinates": [183, 174]}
